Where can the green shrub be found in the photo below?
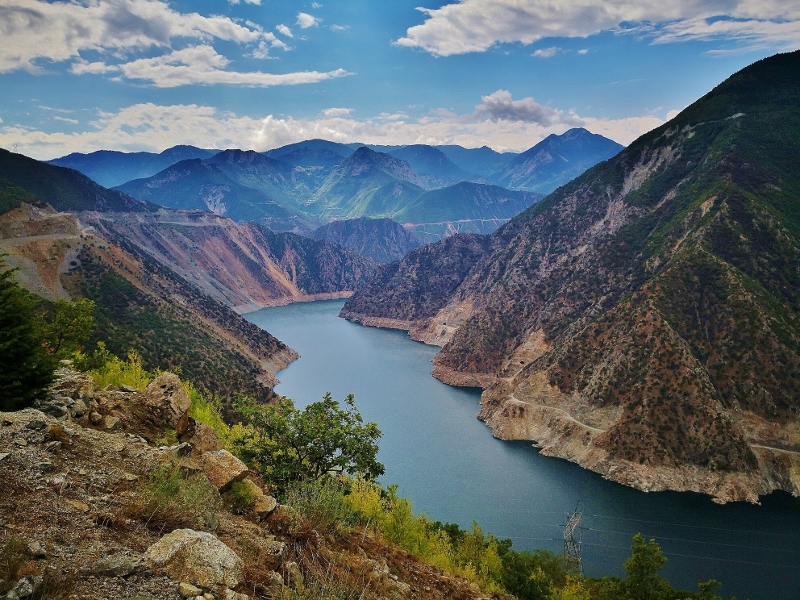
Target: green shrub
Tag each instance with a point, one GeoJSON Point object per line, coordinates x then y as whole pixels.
{"type": "Point", "coordinates": [322, 504]}
{"type": "Point", "coordinates": [129, 372]}
{"type": "Point", "coordinates": [173, 497]}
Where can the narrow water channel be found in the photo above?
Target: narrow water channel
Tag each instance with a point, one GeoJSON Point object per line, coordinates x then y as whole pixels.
{"type": "Point", "coordinates": [450, 466]}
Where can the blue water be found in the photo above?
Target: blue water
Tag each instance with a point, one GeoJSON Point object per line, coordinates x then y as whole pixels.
{"type": "Point", "coordinates": [450, 466]}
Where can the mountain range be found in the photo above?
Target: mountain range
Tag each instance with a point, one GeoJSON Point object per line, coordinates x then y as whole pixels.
{"type": "Point", "coordinates": [304, 185]}
{"type": "Point", "coordinates": [642, 320]}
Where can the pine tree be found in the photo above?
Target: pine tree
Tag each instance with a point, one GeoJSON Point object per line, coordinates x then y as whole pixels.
{"type": "Point", "coordinates": [25, 368]}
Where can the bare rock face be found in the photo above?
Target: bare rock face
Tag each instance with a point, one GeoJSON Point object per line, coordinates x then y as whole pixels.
{"type": "Point", "coordinates": [166, 395]}
{"type": "Point", "coordinates": [196, 557]}
{"type": "Point", "coordinates": [222, 468]}
{"type": "Point", "coordinates": [201, 437]}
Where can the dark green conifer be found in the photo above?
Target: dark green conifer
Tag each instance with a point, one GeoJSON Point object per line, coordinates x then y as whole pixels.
{"type": "Point", "coordinates": [25, 368]}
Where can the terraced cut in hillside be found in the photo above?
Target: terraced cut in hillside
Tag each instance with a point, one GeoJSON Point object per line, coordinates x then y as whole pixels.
{"type": "Point", "coordinates": [643, 320]}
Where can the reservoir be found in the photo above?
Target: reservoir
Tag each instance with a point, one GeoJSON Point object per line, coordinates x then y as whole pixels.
{"type": "Point", "coordinates": [450, 466]}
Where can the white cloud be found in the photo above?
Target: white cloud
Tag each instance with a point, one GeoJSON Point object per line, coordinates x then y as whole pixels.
{"type": "Point", "coordinates": [34, 31]}
{"type": "Point", "coordinates": [316, 5]}
{"type": "Point", "coordinates": [153, 128]}
{"type": "Point", "coordinates": [256, 2]}
{"type": "Point", "coordinates": [305, 20]}
{"type": "Point", "coordinates": [83, 67]}
{"type": "Point", "coordinates": [546, 52]}
{"type": "Point", "coordinates": [500, 106]}
{"type": "Point", "coordinates": [340, 27]}
{"type": "Point", "coordinates": [337, 112]}
{"type": "Point", "coordinates": [203, 65]}
{"type": "Point", "coordinates": [284, 30]}
{"type": "Point", "coordinates": [66, 120]}
{"type": "Point", "coordinates": [583, 51]}
{"type": "Point", "coordinates": [477, 25]}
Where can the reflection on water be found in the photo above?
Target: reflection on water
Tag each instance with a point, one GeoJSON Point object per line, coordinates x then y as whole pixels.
{"type": "Point", "coordinates": [447, 462]}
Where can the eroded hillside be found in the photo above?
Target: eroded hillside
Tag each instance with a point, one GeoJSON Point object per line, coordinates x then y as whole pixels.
{"type": "Point", "coordinates": [643, 319]}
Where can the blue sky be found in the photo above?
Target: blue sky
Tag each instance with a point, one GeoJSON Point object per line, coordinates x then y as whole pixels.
{"type": "Point", "coordinates": [257, 74]}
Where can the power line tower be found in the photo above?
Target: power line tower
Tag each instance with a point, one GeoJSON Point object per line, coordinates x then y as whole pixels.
{"type": "Point", "coordinates": [572, 541]}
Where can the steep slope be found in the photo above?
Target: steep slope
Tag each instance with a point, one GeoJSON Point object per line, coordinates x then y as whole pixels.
{"type": "Point", "coordinates": [463, 208]}
{"type": "Point", "coordinates": [482, 161]}
{"type": "Point", "coordinates": [64, 189]}
{"type": "Point", "coordinates": [111, 168]}
{"type": "Point", "coordinates": [381, 240]}
{"type": "Point", "coordinates": [555, 160]}
{"type": "Point", "coordinates": [205, 185]}
{"type": "Point", "coordinates": [643, 320]}
{"type": "Point", "coordinates": [141, 304]}
{"type": "Point", "coordinates": [368, 183]}
{"type": "Point", "coordinates": [243, 266]}
{"type": "Point", "coordinates": [432, 161]}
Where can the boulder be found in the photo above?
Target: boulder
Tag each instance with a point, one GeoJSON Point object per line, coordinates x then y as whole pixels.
{"type": "Point", "coordinates": [26, 587]}
{"type": "Point", "coordinates": [166, 395]}
{"type": "Point", "coordinates": [187, 590]}
{"type": "Point", "coordinates": [263, 505]}
{"type": "Point", "coordinates": [202, 437]}
{"type": "Point", "coordinates": [117, 565]}
{"type": "Point", "coordinates": [197, 558]}
{"type": "Point", "coordinates": [222, 468]}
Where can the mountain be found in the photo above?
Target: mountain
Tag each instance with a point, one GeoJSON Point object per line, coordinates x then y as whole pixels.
{"type": "Point", "coordinates": [244, 266]}
{"type": "Point", "coordinates": [367, 183]}
{"type": "Point", "coordinates": [644, 319]}
{"type": "Point", "coordinates": [64, 189]}
{"type": "Point", "coordinates": [315, 145]}
{"type": "Point", "coordinates": [482, 161]}
{"type": "Point", "coordinates": [206, 185]}
{"type": "Point", "coordinates": [381, 240]}
{"type": "Point", "coordinates": [463, 208]}
{"type": "Point", "coordinates": [432, 161]}
{"type": "Point", "coordinates": [140, 302]}
{"type": "Point", "coordinates": [555, 160]}
{"type": "Point", "coordinates": [110, 168]}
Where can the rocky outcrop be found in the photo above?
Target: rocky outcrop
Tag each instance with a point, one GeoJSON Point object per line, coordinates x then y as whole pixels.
{"type": "Point", "coordinates": [222, 468]}
{"type": "Point", "coordinates": [197, 558]}
{"type": "Point", "coordinates": [167, 398]}
{"type": "Point", "coordinates": [381, 240]}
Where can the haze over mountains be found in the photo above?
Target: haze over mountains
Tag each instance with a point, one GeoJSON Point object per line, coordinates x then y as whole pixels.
{"type": "Point", "coordinates": [302, 186]}
{"type": "Point", "coordinates": [644, 319]}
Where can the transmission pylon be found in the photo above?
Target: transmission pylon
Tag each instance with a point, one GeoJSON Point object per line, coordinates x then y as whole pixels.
{"type": "Point", "coordinates": [572, 541]}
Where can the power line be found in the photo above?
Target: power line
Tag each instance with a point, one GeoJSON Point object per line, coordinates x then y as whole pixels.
{"type": "Point", "coordinates": [683, 525]}
{"type": "Point", "coordinates": [712, 558]}
{"type": "Point", "coordinates": [661, 537]}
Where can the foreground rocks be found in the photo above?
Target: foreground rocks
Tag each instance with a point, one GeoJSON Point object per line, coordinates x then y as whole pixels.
{"type": "Point", "coordinates": [76, 511]}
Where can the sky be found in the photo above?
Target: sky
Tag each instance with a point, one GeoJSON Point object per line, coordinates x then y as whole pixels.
{"type": "Point", "coordinates": [145, 75]}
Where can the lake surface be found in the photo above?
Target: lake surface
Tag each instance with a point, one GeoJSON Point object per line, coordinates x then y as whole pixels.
{"type": "Point", "coordinates": [450, 466]}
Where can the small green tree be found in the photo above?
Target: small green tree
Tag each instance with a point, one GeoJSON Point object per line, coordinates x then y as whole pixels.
{"type": "Point", "coordinates": [287, 444]}
{"type": "Point", "coordinates": [71, 326]}
{"type": "Point", "coordinates": [646, 560]}
{"type": "Point", "coordinates": [26, 368]}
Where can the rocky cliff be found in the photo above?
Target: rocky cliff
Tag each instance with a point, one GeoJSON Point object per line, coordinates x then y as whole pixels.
{"type": "Point", "coordinates": [643, 320]}
{"type": "Point", "coordinates": [381, 240]}
{"type": "Point", "coordinates": [141, 303]}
